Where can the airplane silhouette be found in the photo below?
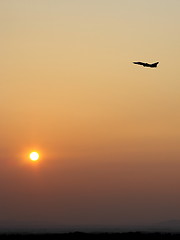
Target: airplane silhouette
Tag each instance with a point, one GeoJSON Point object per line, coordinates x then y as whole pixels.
{"type": "Point", "coordinates": [152, 65]}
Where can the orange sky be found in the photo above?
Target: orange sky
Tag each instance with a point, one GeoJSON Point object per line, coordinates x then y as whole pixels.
{"type": "Point", "coordinates": [108, 131]}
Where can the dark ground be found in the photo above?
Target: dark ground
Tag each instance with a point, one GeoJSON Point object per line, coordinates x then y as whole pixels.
{"type": "Point", "coordinates": [88, 236]}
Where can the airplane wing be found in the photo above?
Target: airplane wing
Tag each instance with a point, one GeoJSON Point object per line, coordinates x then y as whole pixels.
{"type": "Point", "coordinates": [154, 64]}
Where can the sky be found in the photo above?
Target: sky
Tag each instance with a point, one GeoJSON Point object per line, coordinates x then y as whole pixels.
{"type": "Point", "coordinates": [107, 131]}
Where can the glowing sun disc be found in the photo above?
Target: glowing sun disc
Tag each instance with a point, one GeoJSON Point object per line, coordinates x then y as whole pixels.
{"type": "Point", "coordinates": [34, 156]}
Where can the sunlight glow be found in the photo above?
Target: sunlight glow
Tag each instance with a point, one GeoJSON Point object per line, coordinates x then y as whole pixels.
{"type": "Point", "coordinates": [34, 156]}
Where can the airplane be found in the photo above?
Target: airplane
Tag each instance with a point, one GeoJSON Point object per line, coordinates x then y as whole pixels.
{"type": "Point", "coordinates": [152, 65]}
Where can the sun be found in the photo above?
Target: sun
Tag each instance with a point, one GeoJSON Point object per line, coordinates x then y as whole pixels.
{"type": "Point", "coordinates": [34, 156]}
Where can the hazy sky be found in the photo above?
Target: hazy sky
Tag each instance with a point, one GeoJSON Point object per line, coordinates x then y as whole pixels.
{"type": "Point", "coordinates": [108, 131]}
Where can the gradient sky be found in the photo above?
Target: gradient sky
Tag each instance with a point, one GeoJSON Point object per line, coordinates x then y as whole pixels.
{"type": "Point", "coordinates": [108, 131]}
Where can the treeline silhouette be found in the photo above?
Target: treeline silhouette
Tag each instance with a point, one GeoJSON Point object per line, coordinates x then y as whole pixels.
{"type": "Point", "coordinates": [89, 236]}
